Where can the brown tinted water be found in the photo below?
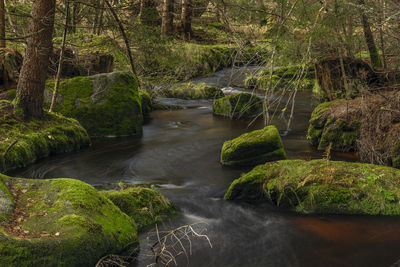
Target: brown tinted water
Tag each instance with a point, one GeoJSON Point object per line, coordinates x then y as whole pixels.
{"type": "Point", "coordinates": [179, 151]}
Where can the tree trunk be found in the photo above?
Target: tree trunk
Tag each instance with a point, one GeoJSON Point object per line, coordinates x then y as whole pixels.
{"type": "Point", "coordinates": [61, 59]}
{"type": "Point", "coordinates": [369, 38]}
{"type": "Point", "coordinates": [96, 17]}
{"type": "Point", "coordinates": [2, 25]}
{"type": "Point", "coordinates": [30, 89]}
{"type": "Point", "coordinates": [101, 18]}
{"type": "Point", "coordinates": [75, 11]}
{"type": "Point", "coordinates": [186, 19]}
{"type": "Point", "coordinates": [167, 18]}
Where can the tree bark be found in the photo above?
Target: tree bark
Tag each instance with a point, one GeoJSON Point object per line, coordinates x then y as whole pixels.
{"type": "Point", "coordinates": [167, 18]}
{"type": "Point", "coordinates": [186, 19]}
{"type": "Point", "coordinates": [30, 89]}
{"type": "Point", "coordinates": [369, 38]}
{"type": "Point", "coordinates": [2, 25]}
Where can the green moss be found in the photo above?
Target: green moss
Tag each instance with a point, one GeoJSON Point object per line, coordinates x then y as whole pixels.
{"type": "Point", "coordinates": [321, 186]}
{"type": "Point", "coordinates": [11, 94]}
{"type": "Point", "coordinates": [238, 106]}
{"type": "Point", "coordinates": [144, 205]}
{"type": "Point", "coordinates": [80, 225]}
{"type": "Point", "coordinates": [146, 102]}
{"type": "Point", "coordinates": [282, 77]}
{"type": "Point", "coordinates": [192, 91]}
{"type": "Point", "coordinates": [36, 138]}
{"type": "Point", "coordinates": [253, 148]}
{"type": "Point", "coordinates": [105, 104]}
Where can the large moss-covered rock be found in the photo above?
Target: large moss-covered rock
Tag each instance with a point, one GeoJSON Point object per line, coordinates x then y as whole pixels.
{"type": "Point", "coordinates": [144, 205]}
{"type": "Point", "coordinates": [192, 91]}
{"type": "Point", "coordinates": [334, 123]}
{"type": "Point", "coordinates": [36, 138]}
{"type": "Point", "coordinates": [238, 106]}
{"type": "Point", "coordinates": [321, 186]}
{"type": "Point", "coordinates": [105, 104]}
{"type": "Point", "coordinates": [253, 148]}
{"type": "Point", "coordinates": [61, 222]}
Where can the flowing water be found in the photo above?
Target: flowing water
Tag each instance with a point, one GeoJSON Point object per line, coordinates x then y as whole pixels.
{"type": "Point", "coordinates": [179, 153]}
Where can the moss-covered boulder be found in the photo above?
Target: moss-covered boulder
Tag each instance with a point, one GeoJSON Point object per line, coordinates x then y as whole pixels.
{"type": "Point", "coordinates": [61, 222]}
{"type": "Point", "coordinates": [105, 104]}
{"type": "Point", "coordinates": [27, 141]}
{"type": "Point", "coordinates": [334, 123]}
{"type": "Point", "coordinates": [192, 91]}
{"type": "Point", "coordinates": [321, 186]}
{"type": "Point", "coordinates": [144, 205]}
{"type": "Point", "coordinates": [238, 106]}
{"type": "Point", "coordinates": [253, 148]}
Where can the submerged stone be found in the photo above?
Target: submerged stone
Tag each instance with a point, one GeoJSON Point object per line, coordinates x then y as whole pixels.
{"type": "Point", "coordinates": [322, 187]}
{"type": "Point", "coordinates": [238, 106]}
{"type": "Point", "coordinates": [105, 104]}
{"type": "Point", "coordinates": [27, 141]}
{"type": "Point", "coordinates": [253, 148]}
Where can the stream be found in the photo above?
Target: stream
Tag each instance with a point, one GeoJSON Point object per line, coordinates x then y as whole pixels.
{"type": "Point", "coordinates": [179, 154]}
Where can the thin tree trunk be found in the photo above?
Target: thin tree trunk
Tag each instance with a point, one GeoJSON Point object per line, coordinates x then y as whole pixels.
{"type": "Point", "coordinates": [369, 38]}
{"type": "Point", "coordinates": [30, 89]}
{"type": "Point", "coordinates": [2, 25]}
{"type": "Point", "coordinates": [75, 11]}
{"type": "Point", "coordinates": [61, 59]}
{"type": "Point", "coordinates": [96, 17]}
{"type": "Point", "coordinates": [100, 26]}
{"type": "Point", "coordinates": [167, 18]}
{"type": "Point", "coordinates": [124, 36]}
{"type": "Point", "coordinates": [186, 19]}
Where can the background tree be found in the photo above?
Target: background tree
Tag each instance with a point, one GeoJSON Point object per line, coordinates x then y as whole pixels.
{"type": "Point", "coordinates": [30, 90]}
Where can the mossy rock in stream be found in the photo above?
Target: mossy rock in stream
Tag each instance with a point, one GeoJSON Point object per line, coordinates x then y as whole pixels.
{"type": "Point", "coordinates": [61, 222]}
{"type": "Point", "coordinates": [322, 187]}
{"type": "Point", "coordinates": [253, 148]}
{"type": "Point", "coordinates": [144, 205]}
{"type": "Point", "coordinates": [329, 125]}
{"type": "Point", "coordinates": [238, 106]}
{"type": "Point", "coordinates": [105, 104]}
{"type": "Point", "coordinates": [36, 138]}
{"type": "Point", "coordinates": [190, 90]}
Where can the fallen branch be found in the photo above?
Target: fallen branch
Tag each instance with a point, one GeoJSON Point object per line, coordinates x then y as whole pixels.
{"type": "Point", "coordinates": [8, 148]}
